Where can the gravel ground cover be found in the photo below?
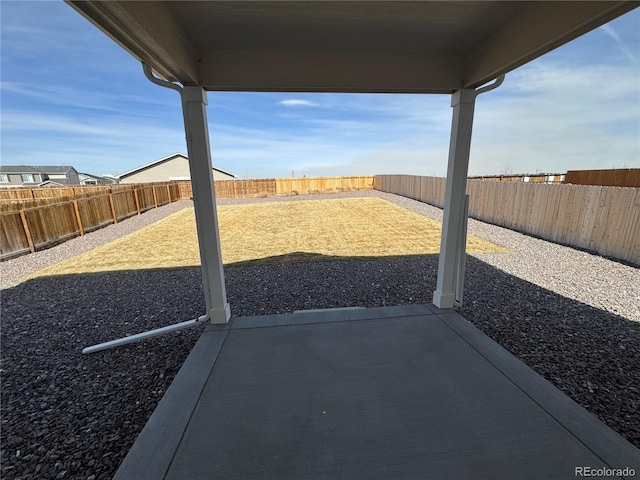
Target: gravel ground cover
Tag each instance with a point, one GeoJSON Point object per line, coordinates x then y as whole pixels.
{"type": "Point", "coordinates": [572, 316]}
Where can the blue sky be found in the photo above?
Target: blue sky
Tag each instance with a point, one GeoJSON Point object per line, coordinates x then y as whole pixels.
{"type": "Point", "coordinates": [71, 96]}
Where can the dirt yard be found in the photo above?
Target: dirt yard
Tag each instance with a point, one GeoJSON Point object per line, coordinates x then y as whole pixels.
{"type": "Point", "coordinates": [272, 233]}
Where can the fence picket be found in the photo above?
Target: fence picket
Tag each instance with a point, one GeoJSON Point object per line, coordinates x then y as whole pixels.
{"type": "Point", "coordinates": [27, 231]}
{"type": "Point", "coordinates": [75, 207]}
{"type": "Point", "coordinates": [113, 209]}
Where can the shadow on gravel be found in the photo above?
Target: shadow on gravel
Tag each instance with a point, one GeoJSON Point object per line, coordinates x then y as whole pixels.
{"type": "Point", "coordinates": [67, 412]}
{"type": "Point", "coordinates": [309, 257]}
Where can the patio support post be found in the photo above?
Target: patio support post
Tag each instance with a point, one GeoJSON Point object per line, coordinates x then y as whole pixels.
{"type": "Point", "coordinates": [194, 102]}
{"type": "Point", "coordinates": [463, 103]}
{"type": "Point", "coordinates": [454, 222]}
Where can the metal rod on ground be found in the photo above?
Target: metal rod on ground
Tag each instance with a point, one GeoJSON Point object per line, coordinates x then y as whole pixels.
{"type": "Point", "coordinates": [144, 335]}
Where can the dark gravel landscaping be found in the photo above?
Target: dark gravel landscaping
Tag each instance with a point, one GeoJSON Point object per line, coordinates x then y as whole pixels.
{"type": "Point", "coordinates": [571, 316]}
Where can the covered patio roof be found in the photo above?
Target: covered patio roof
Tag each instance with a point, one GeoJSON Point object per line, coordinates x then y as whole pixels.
{"type": "Point", "coordinates": [365, 46]}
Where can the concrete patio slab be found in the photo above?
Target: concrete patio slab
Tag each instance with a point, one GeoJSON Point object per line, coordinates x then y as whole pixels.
{"type": "Point", "coordinates": [393, 392]}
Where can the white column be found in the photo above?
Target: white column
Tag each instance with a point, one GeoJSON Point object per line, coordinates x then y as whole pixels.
{"type": "Point", "coordinates": [463, 102]}
{"type": "Point", "coordinates": [194, 102]}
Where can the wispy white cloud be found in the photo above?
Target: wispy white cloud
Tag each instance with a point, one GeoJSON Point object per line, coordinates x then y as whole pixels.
{"type": "Point", "coordinates": [325, 151]}
{"type": "Point", "coordinates": [421, 159]}
{"type": "Point", "coordinates": [275, 153]}
{"type": "Point", "coordinates": [551, 118]}
{"type": "Point", "coordinates": [17, 121]}
{"type": "Point", "coordinates": [112, 144]}
{"type": "Point", "coordinates": [295, 102]}
{"type": "Point", "coordinates": [611, 32]}
{"type": "Point", "coordinates": [77, 97]}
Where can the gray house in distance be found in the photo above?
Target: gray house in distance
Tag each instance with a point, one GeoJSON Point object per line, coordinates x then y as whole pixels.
{"type": "Point", "coordinates": [27, 176]}
{"type": "Point", "coordinates": [173, 167]}
{"type": "Point", "coordinates": [89, 179]}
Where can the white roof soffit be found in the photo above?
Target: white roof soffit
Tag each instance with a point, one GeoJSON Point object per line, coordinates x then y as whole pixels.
{"type": "Point", "coordinates": [332, 46]}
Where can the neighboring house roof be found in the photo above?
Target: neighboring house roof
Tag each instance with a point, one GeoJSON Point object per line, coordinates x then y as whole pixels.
{"type": "Point", "coordinates": [104, 179]}
{"type": "Point", "coordinates": [52, 169]}
{"type": "Point", "coordinates": [49, 183]}
{"type": "Point", "coordinates": [162, 160]}
{"type": "Point", "coordinates": [17, 169]}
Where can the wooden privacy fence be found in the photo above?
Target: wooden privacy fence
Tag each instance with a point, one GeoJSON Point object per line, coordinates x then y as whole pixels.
{"type": "Point", "coordinates": [616, 177]}
{"type": "Point", "coordinates": [426, 189]}
{"type": "Point", "coordinates": [236, 188]}
{"type": "Point", "coordinates": [532, 178]}
{"type": "Point", "coordinates": [36, 222]}
{"type": "Point", "coordinates": [283, 186]}
{"type": "Point", "coordinates": [36, 218]}
{"type": "Point", "coordinates": [288, 186]}
{"type": "Point", "coordinates": [605, 220]}
{"type": "Point", "coordinates": [51, 192]}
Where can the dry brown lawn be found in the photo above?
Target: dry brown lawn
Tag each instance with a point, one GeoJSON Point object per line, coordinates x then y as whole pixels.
{"type": "Point", "coordinates": [274, 232]}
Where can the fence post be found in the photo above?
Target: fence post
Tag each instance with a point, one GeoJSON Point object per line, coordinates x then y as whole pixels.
{"type": "Point", "coordinates": [155, 199]}
{"type": "Point", "coordinates": [25, 225]}
{"type": "Point", "coordinates": [135, 194]}
{"type": "Point", "coordinates": [168, 192]}
{"type": "Point", "coordinates": [113, 208]}
{"type": "Point", "coordinates": [75, 207]}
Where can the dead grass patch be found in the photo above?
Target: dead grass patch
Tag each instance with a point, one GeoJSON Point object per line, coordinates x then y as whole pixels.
{"type": "Point", "coordinates": [274, 232]}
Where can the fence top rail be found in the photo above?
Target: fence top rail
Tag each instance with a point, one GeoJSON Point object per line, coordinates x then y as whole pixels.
{"type": "Point", "coordinates": [320, 178]}
{"type": "Point", "coordinates": [102, 195]}
{"type": "Point", "coordinates": [52, 205]}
